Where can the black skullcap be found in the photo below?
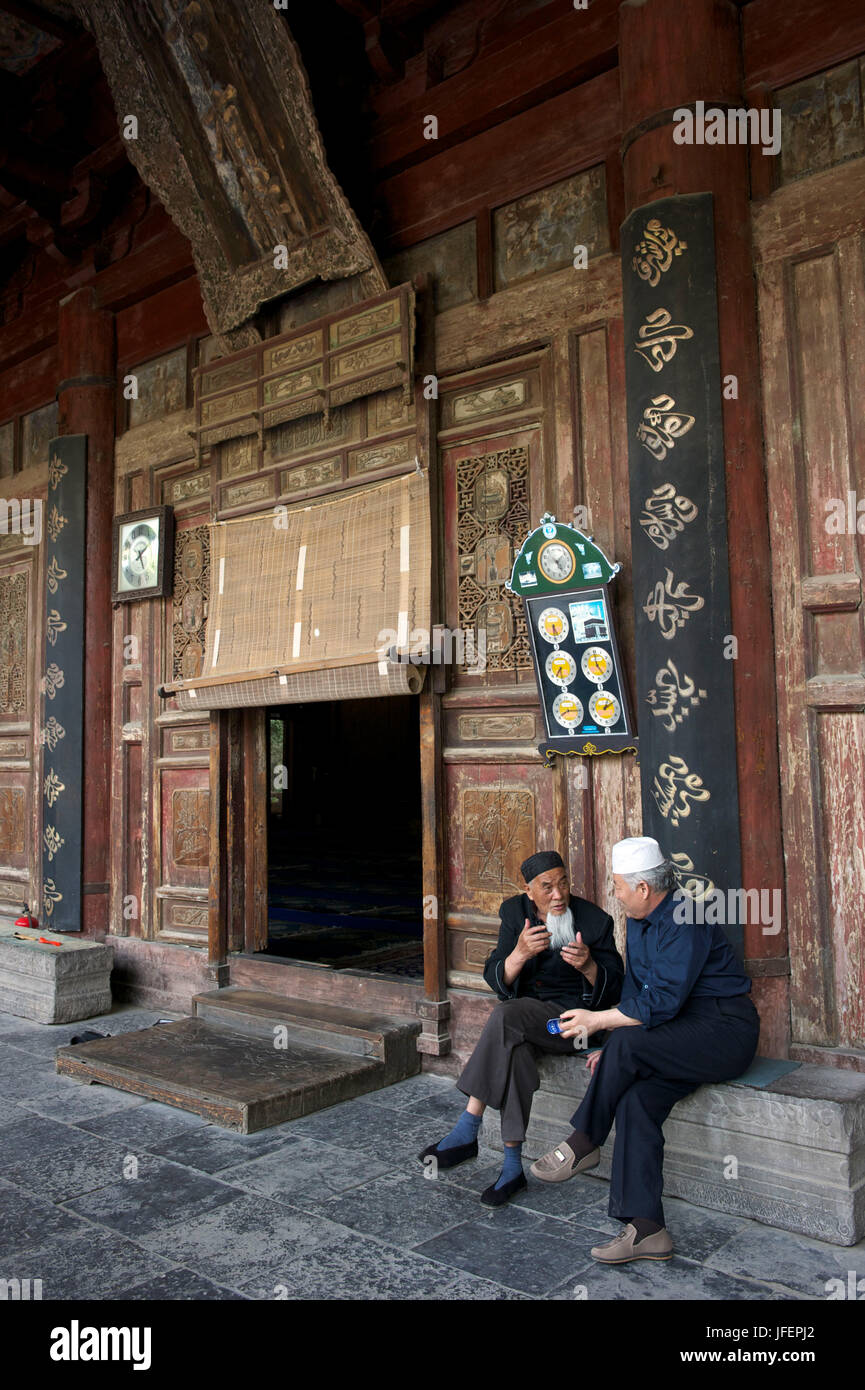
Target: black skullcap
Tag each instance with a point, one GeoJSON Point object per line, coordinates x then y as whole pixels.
{"type": "Point", "coordinates": [539, 864]}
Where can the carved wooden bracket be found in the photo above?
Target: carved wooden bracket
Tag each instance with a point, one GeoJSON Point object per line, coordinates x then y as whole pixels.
{"type": "Point", "coordinates": [225, 135]}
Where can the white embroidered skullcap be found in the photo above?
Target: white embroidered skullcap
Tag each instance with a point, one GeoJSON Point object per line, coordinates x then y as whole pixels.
{"type": "Point", "coordinates": [637, 854]}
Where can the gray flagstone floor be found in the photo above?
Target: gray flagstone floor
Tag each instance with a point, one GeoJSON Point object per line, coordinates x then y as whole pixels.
{"type": "Point", "coordinates": [104, 1195]}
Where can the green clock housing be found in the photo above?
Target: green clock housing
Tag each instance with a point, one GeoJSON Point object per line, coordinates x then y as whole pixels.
{"type": "Point", "coordinates": [556, 556]}
{"type": "Point", "coordinates": [562, 578]}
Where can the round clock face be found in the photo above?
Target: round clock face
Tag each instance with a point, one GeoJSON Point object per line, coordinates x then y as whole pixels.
{"type": "Point", "coordinates": [139, 556]}
{"type": "Point", "coordinates": [568, 711]}
{"type": "Point", "coordinates": [561, 668]}
{"type": "Point", "coordinates": [553, 625]}
{"type": "Point", "coordinates": [604, 708]}
{"type": "Point", "coordinates": [557, 561]}
{"type": "Point", "coordinates": [597, 665]}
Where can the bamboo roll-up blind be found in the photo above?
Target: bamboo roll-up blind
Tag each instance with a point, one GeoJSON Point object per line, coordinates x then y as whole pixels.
{"type": "Point", "coordinates": [305, 601]}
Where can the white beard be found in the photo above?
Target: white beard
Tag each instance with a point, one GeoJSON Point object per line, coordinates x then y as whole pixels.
{"type": "Point", "coordinates": [561, 929]}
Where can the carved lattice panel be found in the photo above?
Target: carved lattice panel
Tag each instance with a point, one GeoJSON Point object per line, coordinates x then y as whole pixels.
{"type": "Point", "coordinates": [13, 644]}
{"type": "Point", "coordinates": [191, 591]}
{"type": "Point", "coordinates": [492, 522]}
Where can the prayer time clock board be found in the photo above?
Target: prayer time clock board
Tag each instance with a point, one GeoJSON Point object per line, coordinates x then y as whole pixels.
{"type": "Point", "coordinates": [562, 578]}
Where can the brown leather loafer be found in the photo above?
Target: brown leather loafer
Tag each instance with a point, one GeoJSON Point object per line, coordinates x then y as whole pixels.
{"type": "Point", "coordinates": [626, 1247]}
{"type": "Point", "coordinates": [562, 1163]}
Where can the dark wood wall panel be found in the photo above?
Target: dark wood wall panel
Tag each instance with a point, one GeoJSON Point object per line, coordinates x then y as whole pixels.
{"type": "Point", "coordinates": [21, 625]}
{"type": "Point", "coordinates": [811, 276]}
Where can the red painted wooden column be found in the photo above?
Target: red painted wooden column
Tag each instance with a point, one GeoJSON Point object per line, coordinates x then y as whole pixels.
{"type": "Point", "coordinates": [86, 405]}
{"type": "Point", "coordinates": [671, 56]}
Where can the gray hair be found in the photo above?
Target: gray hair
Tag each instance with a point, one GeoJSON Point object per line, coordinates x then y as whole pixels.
{"type": "Point", "coordinates": [659, 880]}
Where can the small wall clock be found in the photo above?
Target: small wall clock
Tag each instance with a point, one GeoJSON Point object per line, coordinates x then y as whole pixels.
{"type": "Point", "coordinates": [143, 554]}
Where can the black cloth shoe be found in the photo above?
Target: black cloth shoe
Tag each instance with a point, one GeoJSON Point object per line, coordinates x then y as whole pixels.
{"type": "Point", "coordinates": [449, 1158]}
{"type": "Point", "coordinates": [497, 1196]}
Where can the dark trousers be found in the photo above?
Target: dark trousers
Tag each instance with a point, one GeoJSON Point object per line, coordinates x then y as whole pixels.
{"type": "Point", "coordinates": [641, 1075]}
{"type": "Point", "coordinates": [502, 1070]}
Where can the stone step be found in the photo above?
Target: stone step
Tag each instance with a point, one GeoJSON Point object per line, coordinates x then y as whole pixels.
{"type": "Point", "coordinates": [798, 1142]}
{"type": "Point", "coordinates": [238, 1076]}
{"type": "Point", "coordinates": [357, 1032]}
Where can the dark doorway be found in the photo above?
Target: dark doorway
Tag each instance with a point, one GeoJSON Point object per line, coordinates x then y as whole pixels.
{"type": "Point", "coordinates": [344, 834]}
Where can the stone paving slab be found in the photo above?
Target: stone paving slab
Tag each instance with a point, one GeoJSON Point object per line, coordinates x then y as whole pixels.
{"type": "Point", "coordinates": [43, 1039]}
{"type": "Point", "coordinates": [332, 1206]}
{"type": "Point", "coordinates": [210, 1149]}
{"type": "Point", "coordinates": [796, 1262]}
{"type": "Point", "coordinates": [304, 1170]}
{"type": "Point", "coordinates": [179, 1285]}
{"type": "Point", "coordinates": [165, 1194]}
{"type": "Point", "coordinates": [528, 1253]}
{"type": "Point", "coordinates": [58, 1161]}
{"type": "Point", "coordinates": [93, 1263]}
{"type": "Point", "coordinates": [398, 1207]}
{"type": "Point", "coordinates": [662, 1281]}
{"type": "Point", "coordinates": [250, 1240]}
{"type": "Point", "coordinates": [27, 1221]}
{"type": "Point", "coordinates": [354, 1266]}
{"type": "Point", "coordinates": [144, 1126]}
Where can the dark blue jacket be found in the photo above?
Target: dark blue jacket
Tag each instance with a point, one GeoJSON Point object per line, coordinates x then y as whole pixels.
{"type": "Point", "coordinates": [670, 962]}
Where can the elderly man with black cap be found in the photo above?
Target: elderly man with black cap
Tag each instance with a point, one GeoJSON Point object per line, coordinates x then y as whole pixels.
{"type": "Point", "coordinates": [555, 952]}
{"type": "Point", "coordinates": [685, 1018]}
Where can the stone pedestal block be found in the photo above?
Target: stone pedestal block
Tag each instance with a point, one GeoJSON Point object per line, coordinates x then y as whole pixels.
{"type": "Point", "coordinates": [790, 1154]}
{"type": "Point", "coordinates": [54, 984]}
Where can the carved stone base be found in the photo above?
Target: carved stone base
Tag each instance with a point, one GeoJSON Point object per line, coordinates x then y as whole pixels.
{"type": "Point", "coordinates": [54, 984]}
{"type": "Point", "coordinates": [434, 1038]}
{"type": "Point", "coordinates": [790, 1154]}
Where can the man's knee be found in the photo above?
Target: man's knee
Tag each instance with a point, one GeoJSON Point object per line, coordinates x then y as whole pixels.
{"type": "Point", "coordinates": [620, 1043]}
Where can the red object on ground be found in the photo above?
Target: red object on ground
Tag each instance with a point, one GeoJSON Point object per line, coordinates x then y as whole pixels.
{"type": "Point", "coordinates": [46, 942]}
{"type": "Point", "coordinates": [27, 921]}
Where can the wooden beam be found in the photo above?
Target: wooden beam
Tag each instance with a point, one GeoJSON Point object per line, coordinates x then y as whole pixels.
{"type": "Point", "coordinates": [553, 59]}
{"type": "Point", "coordinates": [782, 42]}
{"type": "Point", "coordinates": [569, 133]}
{"type": "Point", "coordinates": [39, 18]}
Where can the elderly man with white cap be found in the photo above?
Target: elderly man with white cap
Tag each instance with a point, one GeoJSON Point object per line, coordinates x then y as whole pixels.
{"type": "Point", "coordinates": [684, 1019]}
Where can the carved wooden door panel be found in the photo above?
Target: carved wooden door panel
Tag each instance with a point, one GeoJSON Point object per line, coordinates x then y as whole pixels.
{"type": "Point", "coordinates": [812, 314]}
{"type": "Point", "coordinates": [20, 645]}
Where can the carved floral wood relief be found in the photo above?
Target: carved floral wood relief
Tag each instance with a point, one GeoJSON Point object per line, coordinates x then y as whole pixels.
{"type": "Point", "coordinates": [191, 825]}
{"type": "Point", "coordinates": [12, 804]}
{"type": "Point", "coordinates": [498, 834]}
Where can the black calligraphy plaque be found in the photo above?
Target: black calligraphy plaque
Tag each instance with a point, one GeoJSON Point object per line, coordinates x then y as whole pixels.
{"type": "Point", "coordinates": [62, 683]}
{"type": "Point", "coordinates": [684, 656]}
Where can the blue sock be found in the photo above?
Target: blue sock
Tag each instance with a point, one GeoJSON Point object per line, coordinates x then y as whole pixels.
{"type": "Point", "coordinates": [465, 1131]}
{"type": "Point", "coordinates": [513, 1164]}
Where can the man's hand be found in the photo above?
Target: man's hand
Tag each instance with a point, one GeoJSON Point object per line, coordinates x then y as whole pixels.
{"type": "Point", "coordinates": [592, 1061]}
{"type": "Point", "coordinates": [578, 1023]}
{"type": "Point", "coordinates": [578, 955]}
{"type": "Point", "coordinates": [532, 940]}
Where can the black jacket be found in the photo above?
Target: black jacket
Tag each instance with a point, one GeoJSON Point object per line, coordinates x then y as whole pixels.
{"type": "Point", "coordinates": [547, 976]}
